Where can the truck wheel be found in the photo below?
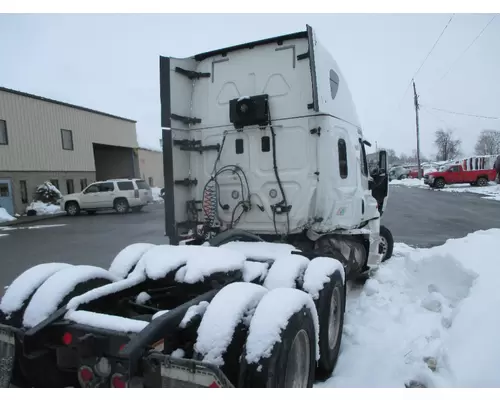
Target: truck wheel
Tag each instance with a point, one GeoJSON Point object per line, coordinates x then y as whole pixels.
{"type": "Point", "coordinates": [331, 308]}
{"type": "Point", "coordinates": [221, 339]}
{"type": "Point", "coordinates": [281, 350]}
{"type": "Point", "coordinates": [121, 206]}
{"type": "Point", "coordinates": [386, 246]}
{"type": "Point", "coordinates": [72, 208]}
{"type": "Point", "coordinates": [482, 181]}
{"type": "Point", "coordinates": [439, 183]}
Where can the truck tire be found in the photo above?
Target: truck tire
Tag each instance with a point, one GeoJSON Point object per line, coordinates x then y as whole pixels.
{"type": "Point", "coordinates": [223, 330]}
{"type": "Point", "coordinates": [482, 181]}
{"type": "Point", "coordinates": [72, 208]}
{"type": "Point", "coordinates": [386, 243]}
{"type": "Point", "coordinates": [331, 309]}
{"type": "Point", "coordinates": [121, 206]}
{"type": "Point", "coordinates": [439, 183]}
{"type": "Point", "coordinates": [291, 361]}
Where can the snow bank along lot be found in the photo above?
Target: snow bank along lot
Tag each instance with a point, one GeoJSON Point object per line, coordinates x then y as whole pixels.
{"type": "Point", "coordinates": [5, 216]}
{"type": "Point", "coordinates": [427, 315]}
{"type": "Point", "coordinates": [490, 192]}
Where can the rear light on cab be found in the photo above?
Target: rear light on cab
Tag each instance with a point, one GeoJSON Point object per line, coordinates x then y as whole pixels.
{"type": "Point", "coordinates": [136, 193]}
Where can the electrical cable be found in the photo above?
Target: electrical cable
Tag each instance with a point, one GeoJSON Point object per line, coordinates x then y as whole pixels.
{"type": "Point", "coordinates": [278, 180]}
{"type": "Point", "coordinates": [468, 47]}
{"type": "Point", "coordinates": [460, 113]}
{"type": "Point", "coordinates": [425, 59]}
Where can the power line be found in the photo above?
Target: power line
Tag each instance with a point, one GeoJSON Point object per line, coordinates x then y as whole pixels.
{"type": "Point", "coordinates": [425, 59]}
{"type": "Point", "coordinates": [459, 113]}
{"type": "Point", "coordinates": [468, 47]}
{"type": "Point", "coordinates": [434, 115]}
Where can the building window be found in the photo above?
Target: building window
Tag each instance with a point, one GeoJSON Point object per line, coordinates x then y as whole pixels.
{"type": "Point", "coordinates": [334, 83]}
{"type": "Point", "coordinates": [150, 180]}
{"type": "Point", "coordinates": [83, 183]}
{"type": "Point", "coordinates": [55, 182]}
{"type": "Point", "coordinates": [4, 139]}
{"type": "Point", "coordinates": [24, 192]}
{"type": "Point", "coordinates": [342, 158]}
{"type": "Point", "coordinates": [70, 186]}
{"type": "Point", "coordinates": [67, 139]}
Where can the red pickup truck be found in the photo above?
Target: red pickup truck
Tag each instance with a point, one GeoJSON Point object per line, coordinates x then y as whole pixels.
{"type": "Point", "coordinates": [456, 174]}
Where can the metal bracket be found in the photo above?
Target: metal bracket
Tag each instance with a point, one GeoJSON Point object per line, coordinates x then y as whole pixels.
{"type": "Point", "coordinates": [192, 74]}
{"type": "Point", "coordinates": [303, 56]}
{"type": "Point", "coordinates": [186, 182]}
{"type": "Point", "coordinates": [194, 145]}
{"type": "Point", "coordinates": [186, 120]}
{"type": "Point", "coordinates": [316, 131]}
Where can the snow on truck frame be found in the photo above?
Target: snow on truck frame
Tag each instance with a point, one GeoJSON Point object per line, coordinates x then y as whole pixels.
{"type": "Point", "coordinates": [267, 187]}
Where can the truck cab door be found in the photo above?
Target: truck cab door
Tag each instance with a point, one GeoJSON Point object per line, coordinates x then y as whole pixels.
{"type": "Point", "coordinates": [380, 183]}
{"type": "Point", "coordinates": [454, 174]}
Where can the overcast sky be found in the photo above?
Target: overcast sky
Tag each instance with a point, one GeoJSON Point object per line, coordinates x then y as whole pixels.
{"type": "Point", "coordinates": [110, 63]}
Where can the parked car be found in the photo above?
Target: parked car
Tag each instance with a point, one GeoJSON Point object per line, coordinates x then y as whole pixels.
{"type": "Point", "coordinates": [121, 195]}
{"type": "Point", "coordinates": [398, 172]}
{"type": "Point", "coordinates": [413, 173]}
{"type": "Point", "coordinates": [456, 174]}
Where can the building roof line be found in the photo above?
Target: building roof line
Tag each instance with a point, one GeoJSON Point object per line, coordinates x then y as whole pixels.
{"type": "Point", "coordinates": [32, 96]}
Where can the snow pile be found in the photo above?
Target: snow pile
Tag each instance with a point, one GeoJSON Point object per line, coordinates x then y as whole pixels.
{"type": "Point", "coordinates": [126, 259]}
{"type": "Point", "coordinates": [156, 191]}
{"type": "Point", "coordinates": [26, 283]}
{"type": "Point", "coordinates": [44, 209]}
{"type": "Point", "coordinates": [193, 311]}
{"type": "Point", "coordinates": [5, 216]}
{"type": "Point", "coordinates": [261, 251]}
{"type": "Point", "coordinates": [491, 192]}
{"type": "Point", "coordinates": [105, 321]}
{"type": "Point", "coordinates": [195, 262]}
{"type": "Point", "coordinates": [408, 182]}
{"type": "Point", "coordinates": [254, 270]}
{"type": "Point", "coordinates": [427, 315]}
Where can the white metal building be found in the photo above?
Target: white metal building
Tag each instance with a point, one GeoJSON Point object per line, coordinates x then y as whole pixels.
{"type": "Point", "coordinates": [43, 139]}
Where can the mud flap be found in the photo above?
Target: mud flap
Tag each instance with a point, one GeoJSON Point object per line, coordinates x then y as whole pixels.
{"type": "Point", "coordinates": [7, 355]}
{"type": "Point", "coordinates": [168, 372]}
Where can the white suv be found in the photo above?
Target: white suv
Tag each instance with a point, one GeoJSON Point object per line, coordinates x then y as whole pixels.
{"type": "Point", "coordinates": [119, 194]}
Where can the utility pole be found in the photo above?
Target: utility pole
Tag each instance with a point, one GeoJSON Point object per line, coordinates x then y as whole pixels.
{"type": "Point", "coordinates": [415, 97]}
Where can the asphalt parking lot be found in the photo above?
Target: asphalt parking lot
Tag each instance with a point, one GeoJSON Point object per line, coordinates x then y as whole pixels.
{"type": "Point", "coordinates": [416, 217]}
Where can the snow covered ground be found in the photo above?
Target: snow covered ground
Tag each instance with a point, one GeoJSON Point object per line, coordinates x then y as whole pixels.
{"type": "Point", "coordinates": [44, 209]}
{"type": "Point", "coordinates": [427, 315]}
{"type": "Point", "coordinates": [5, 216]}
{"type": "Point", "coordinates": [490, 192]}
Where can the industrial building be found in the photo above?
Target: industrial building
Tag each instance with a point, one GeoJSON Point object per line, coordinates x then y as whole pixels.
{"type": "Point", "coordinates": [71, 146]}
{"type": "Point", "coordinates": [151, 166]}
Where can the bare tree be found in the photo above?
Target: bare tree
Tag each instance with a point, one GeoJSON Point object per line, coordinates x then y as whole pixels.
{"type": "Point", "coordinates": [488, 143]}
{"type": "Point", "coordinates": [447, 147]}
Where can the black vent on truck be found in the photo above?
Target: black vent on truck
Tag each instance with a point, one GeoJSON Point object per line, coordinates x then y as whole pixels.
{"type": "Point", "coordinates": [247, 111]}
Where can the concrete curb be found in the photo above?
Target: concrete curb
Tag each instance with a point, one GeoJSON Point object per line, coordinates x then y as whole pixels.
{"type": "Point", "coordinates": [29, 220]}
